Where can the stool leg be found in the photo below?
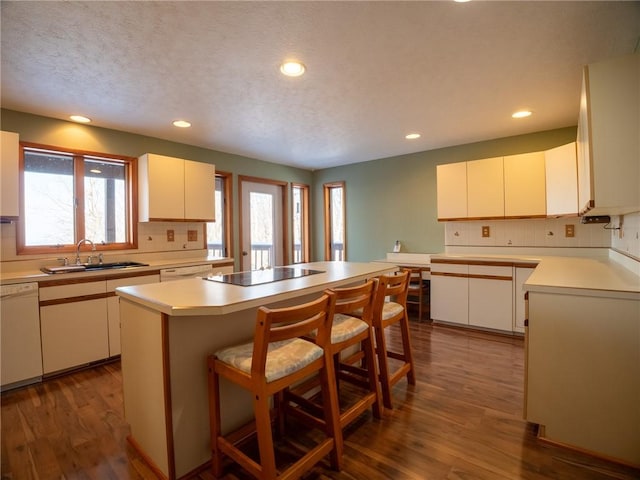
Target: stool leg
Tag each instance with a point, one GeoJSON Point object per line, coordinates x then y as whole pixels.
{"type": "Point", "coordinates": [381, 350]}
{"type": "Point", "coordinates": [408, 351]}
{"type": "Point", "coordinates": [369, 362]}
{"type": "Point", "coordinates": [332, 411]}
{"type": "Point", "coordinates": [265, 437]}
{"type": "Point", "coordinates": [214, 418]}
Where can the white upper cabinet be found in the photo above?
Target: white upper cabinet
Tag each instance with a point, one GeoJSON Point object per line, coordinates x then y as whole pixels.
{"type": "Point", "coordinates": [485, 188]}
{"type": "Point", "coordinates": [200, 189]}
{"type": "Point", "coordinates": [524, 185]}
{"type": "Point", "coordinates": [609, 137]}
{"type": "Point", "coordinates": [452, 191]}
{"type": "Point", "coordinates": [171, 189]}
{"type": "Point", "coordinates": [561, 180]}
{"type": "Point", "coordinates": [9, 155]}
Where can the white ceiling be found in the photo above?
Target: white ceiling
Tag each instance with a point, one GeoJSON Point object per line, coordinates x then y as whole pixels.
{"type": "Point", "coordinates": [375, 70]}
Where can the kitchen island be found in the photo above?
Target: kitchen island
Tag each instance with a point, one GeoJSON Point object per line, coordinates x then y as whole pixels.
{"type": "Point", "coordinates": [168, 329]}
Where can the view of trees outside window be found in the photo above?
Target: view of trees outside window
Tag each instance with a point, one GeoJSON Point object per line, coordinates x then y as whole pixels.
{"type": "Point", "coordinates": [104, 202]}
{"type": "Point", "coordinates": [48, 199]}
{"type": "Point", "coordinates": [337, 224]}
{"type": "Point", "coordinates": [215, 230]}
{"type": "Point", "coordinates": [262, 224]}
{"type": "Point", "coordinates": [50, 206]}
{"type": "Point", "coordinates": [297, 224]}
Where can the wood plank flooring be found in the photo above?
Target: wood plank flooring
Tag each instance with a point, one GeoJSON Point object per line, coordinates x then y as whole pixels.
{"type": "Point", "coordinates": [461, 421]}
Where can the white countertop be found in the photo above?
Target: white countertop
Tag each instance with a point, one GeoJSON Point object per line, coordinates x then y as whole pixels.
{"type": "Point", "coordinates": [584, 276]}
{"type": "Point", "coordinates": [35, 275]}
{"type": "Point", "coordinates": [203, 297]}
{"type": "Point", "coordinates": [592, 276]}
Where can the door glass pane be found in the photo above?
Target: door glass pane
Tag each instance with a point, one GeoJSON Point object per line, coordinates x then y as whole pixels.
{"type": "Point", "coordinates": [215, 230]}
{"type": "Point", "coordinates": [337, 224]}
{"type": "Point", "coordinates": [48, 199]}
{"type": "Point", "coordinates": [104, 201]}
{"type": "Point", "coordinates": [297, 225]}
{"type": "Point", "coordinates": [261, 210]}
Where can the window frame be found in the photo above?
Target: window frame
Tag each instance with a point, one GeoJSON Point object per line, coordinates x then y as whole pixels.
{"type": "Point", "coordinates": [328, 231]}
{"type": "Point", "coordinates": [304, 221]}
{"type": "Point", "coordinates": [227, 181]}
{"type": "Point", "coordinates": [131, 197]}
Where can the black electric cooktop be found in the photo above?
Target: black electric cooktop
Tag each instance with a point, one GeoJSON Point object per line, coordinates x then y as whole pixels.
{"type": "Point", "coordinates": [257, 277]}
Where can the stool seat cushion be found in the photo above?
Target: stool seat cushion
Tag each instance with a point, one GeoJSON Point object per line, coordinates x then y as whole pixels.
{"type": "Point", "coordinates": [283, 358]}
{"type": "Point", "coordinates": [345, 327]}
{"type": "Point", "coordinates": [391, 309]}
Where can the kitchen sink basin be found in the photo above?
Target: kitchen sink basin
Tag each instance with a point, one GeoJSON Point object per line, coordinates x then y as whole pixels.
{"type": "Point", "coordinates": [90, 267]}
{"type": "Point", "coordinates": [107, 266]}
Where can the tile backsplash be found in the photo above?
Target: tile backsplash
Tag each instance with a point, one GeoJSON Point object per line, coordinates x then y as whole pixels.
{"type": "Point", "coordinates": [627, 239]}
{"type": "Point", "coordinates": [544, 232]}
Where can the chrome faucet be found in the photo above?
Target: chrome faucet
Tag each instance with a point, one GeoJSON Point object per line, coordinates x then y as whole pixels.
{"type": "Point", "coordinates": [84, 240]}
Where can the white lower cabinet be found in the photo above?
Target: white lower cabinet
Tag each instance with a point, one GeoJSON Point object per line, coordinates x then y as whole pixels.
{"type": "Point", "coordinates": [73, 325]}
{"type": "Point", "coordinates": [450, 292]}
{"type": "Point", "coordinates": [485, 294]}
{"type": "Point", "coordinates": [113, 307]}
{"type": "Point", "coordinates": [80, 322]}
{"type": "Point", "coordinates": [491, 296]}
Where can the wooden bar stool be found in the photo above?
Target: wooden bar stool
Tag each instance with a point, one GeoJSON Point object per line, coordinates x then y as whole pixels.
{"type": "Point", "coordinates": [277, 359]}
{"type": "Point", "coordinates": [418, 289]}
{"type": "Point", "coordinates": [387, 312]}
{"type": "Point", "coordinates": [351, 334]}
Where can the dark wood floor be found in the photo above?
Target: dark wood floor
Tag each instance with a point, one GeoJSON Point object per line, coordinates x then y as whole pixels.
{"type": "Point", "coordinates": [461, 421]}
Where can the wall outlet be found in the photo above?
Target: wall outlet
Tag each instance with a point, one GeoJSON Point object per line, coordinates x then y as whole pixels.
{"type": "Point", "coordinates": [486, 231]}
{"type": "Point", "coordinates": [171, 236]}
{"type": "Point", "coordinates": [569, 230]}
{"type": "Point", "coordinates": [192, 235]}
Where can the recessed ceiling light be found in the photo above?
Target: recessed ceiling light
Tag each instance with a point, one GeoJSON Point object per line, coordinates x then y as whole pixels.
{"type": "Point", "coordinates": [292, 68]}
{"type": "Point", "coordinates": [461, 1]}
{"type": "Point", "coordinates": [181, 124]}
{"type": "Point", "coordinates": [95, 170]}
{"type": "Point", "coordinates": [522, 114]}
{"type": "Point", "coordinates": [412, 136]}
{"type": "Point", "coordinates": [80, 119]}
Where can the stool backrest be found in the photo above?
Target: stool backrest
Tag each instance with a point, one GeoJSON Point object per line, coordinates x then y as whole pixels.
{"type": "Point", "coordinates": [356, 299]}
{"type": "Point", "coordinates": [278, 324]}
{"type": "Point", "coordinates": [391, 285]}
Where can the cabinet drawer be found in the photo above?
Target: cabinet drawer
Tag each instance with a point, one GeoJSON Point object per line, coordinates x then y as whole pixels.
{"type": "Point", "coordinates": [123, 282]}
{"type": "Point", "coordinates": [491, 271]}
{"type": "Point", "coordinates": [72, 290]}
{"type": "Point", "coordinates": [449, 268]}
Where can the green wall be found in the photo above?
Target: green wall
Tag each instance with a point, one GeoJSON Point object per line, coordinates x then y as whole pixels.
{"type": "Point", "coordinates": [395, 198]}
{"type": "Point", "coordinates": [386, 200]}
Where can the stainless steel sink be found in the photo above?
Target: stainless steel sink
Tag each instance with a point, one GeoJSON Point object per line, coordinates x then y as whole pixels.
{"type": "Point", "coordinates": [89, 267]}
{"type": "Point", "coordinates": [107, 266]}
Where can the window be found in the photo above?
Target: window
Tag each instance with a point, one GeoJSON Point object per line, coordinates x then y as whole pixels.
{"type": "Point", "coordinates": [300, 222]}
{"type": "Point", "coordinates": [219, 232]}
{"type": "Point", "coordinates": [71, 195]}
{"type": "Point", "coordinates": [334, 221]}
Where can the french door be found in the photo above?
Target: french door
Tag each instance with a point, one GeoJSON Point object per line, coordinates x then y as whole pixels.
{"type": "Point", "coordinates": [263, 231]}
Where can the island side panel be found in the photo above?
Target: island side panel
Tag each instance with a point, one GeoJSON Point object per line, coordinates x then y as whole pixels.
{"type": "Point", "coordinates": [191, 340]}
{"type": "Point", "coordinates": [143, 382]}
{"type": "Point", "coordinates": [584, 372]}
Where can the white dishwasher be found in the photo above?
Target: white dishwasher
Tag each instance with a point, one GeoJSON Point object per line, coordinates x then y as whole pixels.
{"type": "Point", "coordinates": [21, 352]}
{"type": "Point", "coordinates": [180, 273]}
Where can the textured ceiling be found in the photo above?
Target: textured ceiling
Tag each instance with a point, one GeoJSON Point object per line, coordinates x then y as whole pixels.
{"type": "Point", "coordinates": [375, 70]}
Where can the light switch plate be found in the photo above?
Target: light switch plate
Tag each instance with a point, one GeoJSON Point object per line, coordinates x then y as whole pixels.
{"type": "Point", "coordinates": [171, 236]}
{"type": "Point", "coordinates": [192, 235]}
{"type": "Point", "coordinates": [486, 231]}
